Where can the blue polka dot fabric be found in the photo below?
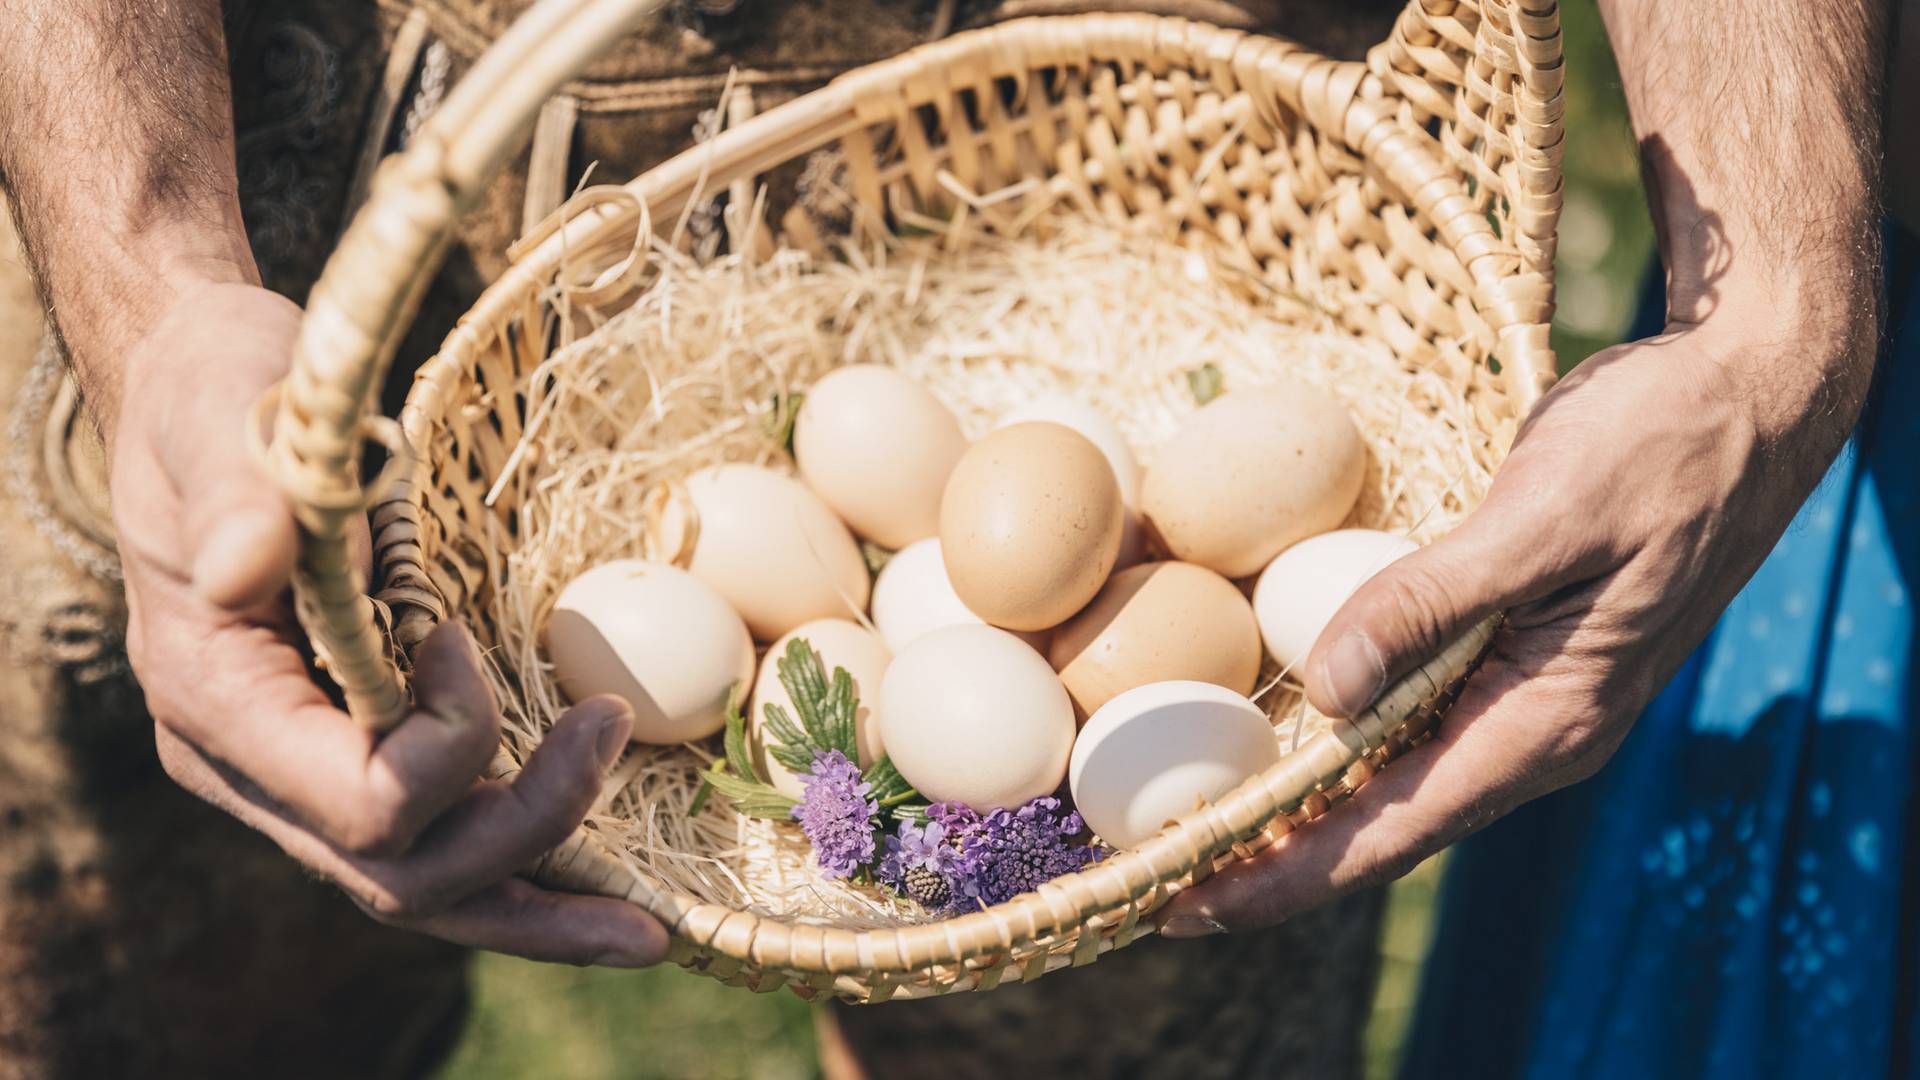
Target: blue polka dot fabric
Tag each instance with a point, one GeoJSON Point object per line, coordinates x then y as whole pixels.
{"type": "Point", "coordinates": [1732, 895]}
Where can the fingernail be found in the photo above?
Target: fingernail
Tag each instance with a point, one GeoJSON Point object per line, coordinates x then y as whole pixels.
{"type": "Point", "coordinates": [615, 725]}
{"type": "Point", "coordinates": [621, 958]}
{"type": "Point", "coordinates": [1353, 672]}
{"type": "Point", "coordinates": [1191, 926]}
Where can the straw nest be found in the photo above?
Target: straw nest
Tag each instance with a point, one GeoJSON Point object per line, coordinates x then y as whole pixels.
{"type": "Point", "coordinates": [704, 365]}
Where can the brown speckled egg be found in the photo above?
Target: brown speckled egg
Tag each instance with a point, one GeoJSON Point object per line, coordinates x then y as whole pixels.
{"type": "Point", "coordinates": [1253, 472]}
{"type": "Point", "coordinates": [1030, 525]}
{"type": "Point", "coordinates": [1154, 623]}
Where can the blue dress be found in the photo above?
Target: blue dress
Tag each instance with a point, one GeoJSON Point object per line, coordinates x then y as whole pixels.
{"type": "Point", "coordinates": [1733, 895]}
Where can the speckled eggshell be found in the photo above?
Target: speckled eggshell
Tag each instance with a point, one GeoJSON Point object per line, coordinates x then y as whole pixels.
{"type": "Point", "coordinates": [658, 637]}
{"type": "Point", "coordinates": [1302, 589]}
{"type": "Point", "coordinates": [1069, 411]}
{"type": "Point", "coordinates": [773, 549]}
{"type": "Point", "coordinates": [1151, 754]}
{"type": "Point", "coordinates": [1031, 525]}
{"type": "Point", "coordinates": [1253, 472]}
{"type": "Point", "coordinates": [878, 447]}
{"type": "Point", "coordinates": [1153, 623]}
{"type": "Point", "coordinates": [912, 596]}
{"type": "Point", "coordinates": [840, 643]}
{"type": "Point", "coordinates": [971, 714]}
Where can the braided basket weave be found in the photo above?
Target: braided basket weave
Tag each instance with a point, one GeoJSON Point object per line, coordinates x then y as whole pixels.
{"type": "Point", "coordinates": [1417, 192]}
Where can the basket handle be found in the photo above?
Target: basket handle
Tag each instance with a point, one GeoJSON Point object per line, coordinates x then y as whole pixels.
{"type": "Point", "coordinates": [364, 301]}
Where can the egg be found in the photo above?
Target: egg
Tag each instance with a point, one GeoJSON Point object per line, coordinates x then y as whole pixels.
{"type": "Point", "coordinates": [1031, 525]}
{"type": "Point", "coordinates": [657, 636]}
{"type": "Point", "coordinates": [840, 643]}
{"type": "Point", "coordinates": [773, 549]}
{"type": "Point", "coordinates": [878, 447]}
{"type": "Point", "coordinates": [1152, 754]}
{"type": "Point", "coordinates": [1252, 472]}
{"type": "Point", "coordinates": [1154, 623]}
{"type": "Point", "coordinates": [971, 714]}
{"type": "Point", "coordinates": [912, 596]}
{"type": "Point", "coordinates": [1303, 587]}
{"type": "Point", "coordinates": [1071, 412]}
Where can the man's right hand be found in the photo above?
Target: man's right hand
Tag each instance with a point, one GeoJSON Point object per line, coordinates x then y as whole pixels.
{"type": "Point", "coordinates": [402, 822]}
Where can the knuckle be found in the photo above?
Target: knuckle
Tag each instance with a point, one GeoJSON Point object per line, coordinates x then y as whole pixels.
{"type": "Point", "coordinates": [375, 832]}
{"type": "Point", "coordinates": [1425, 605]}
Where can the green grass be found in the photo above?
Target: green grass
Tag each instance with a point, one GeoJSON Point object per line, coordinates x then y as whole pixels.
{"type": "Point", "coordinates": [533, 1020]}
{"type": "Point", "coordinates": [543, 1020]}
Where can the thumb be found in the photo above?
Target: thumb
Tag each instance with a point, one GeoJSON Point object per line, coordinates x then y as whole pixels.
{"type": "Point", "coordinates": [1414, 607]}
{"type": "Point", "coordinates": [239, 533]}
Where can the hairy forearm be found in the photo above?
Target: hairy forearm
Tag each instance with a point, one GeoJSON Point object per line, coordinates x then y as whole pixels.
{"type": "Point", "coordinates": [1758, 124]}
{"type": "Point", "coordinates": [116, 148]}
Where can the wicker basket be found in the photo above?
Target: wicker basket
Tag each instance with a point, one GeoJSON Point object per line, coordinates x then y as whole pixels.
{"type": "Point", "coordinates": [1417, 191]}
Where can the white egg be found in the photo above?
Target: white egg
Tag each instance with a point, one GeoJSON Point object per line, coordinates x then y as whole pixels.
{"type": "Point", "coordinates": [1151, 754]}
{"type": "Point", "coordinates": [1071, 412]}
{"type": "Point", "coordinates": [773, 549]}
{"type": "Point", "coordinates": [972, 714]}
{"type": "Point", "coordinates": [839, 644]}
{"type": "Point", "coordinates": [1302, 589]}
{"type": "Point", "coordinates": [913, 596]}
{"type": "Point", "coordinates": [656, 636]}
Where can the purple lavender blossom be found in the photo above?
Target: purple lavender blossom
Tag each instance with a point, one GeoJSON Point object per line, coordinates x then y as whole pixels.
{"type": "Point", "coordinates": [1010, 852]}
{"type": "Point", "coordinates": [924, 866]}
{"type": "Point", "coordinates": [836, 814]}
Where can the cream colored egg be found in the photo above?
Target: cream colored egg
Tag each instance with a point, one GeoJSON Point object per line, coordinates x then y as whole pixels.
{"type": "Point", "coordinates": [1152, 754]}
{"type": "Point", "coordinates": [1031, 525]}
{"type": "Point", "coordinates": [912, 596]}
{"type": "Point", "coordinates": [1253, 472]}
{"type": "Point", "coordinates": [971, 714]}
{"type": "Point", "coordinates": [878, 447]}
{"type": "Point", "coordinates": [656, 636]}
{"type": "Point", "coordinates": [1303, 587]}
{"type": "Point", "coordinates": [840, 643]}
{"type": "Point", "coordinates": [773, 549]}
{"type": "Point", "coordinates": [1071, 412]}
{"type": "Point", "coordinates": [1153, 623]}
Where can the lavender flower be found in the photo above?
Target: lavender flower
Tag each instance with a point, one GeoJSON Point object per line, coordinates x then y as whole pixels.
{"type": "Point", "coordinates": [1010, 852]}
{"type": "Point", "coordinates": [836, 814]}
{"type": "Point", "coordinates": [922, 865]}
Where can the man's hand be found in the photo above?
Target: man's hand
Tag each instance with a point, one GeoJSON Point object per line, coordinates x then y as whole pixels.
{"type": "Point", "coordinates": [402, 822]}
{"type": "Point", "coordinates": [1647, 487]}
{"type": "Point", "coordinates": [1637, 501]}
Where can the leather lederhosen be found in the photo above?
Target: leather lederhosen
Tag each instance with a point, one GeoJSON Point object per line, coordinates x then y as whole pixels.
{"type": "Point", "coordinates": [144, 934]}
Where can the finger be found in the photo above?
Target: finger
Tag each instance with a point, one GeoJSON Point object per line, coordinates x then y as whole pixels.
{"type": "Point", "coordinates": [502, 827]}
{"type": "Point", "coordinates": [522, 919]}
{"type": "Point", "coordinates": [1512, 549]}
{"type": "Point", "coordinates": [510, 916]}
{"type": "Point", "coordinates": [258, 711]}
{"type": "Point", "coordinates": [243, 546]}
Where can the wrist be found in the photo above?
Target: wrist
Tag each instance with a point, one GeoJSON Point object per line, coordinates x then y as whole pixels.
{"type": "Point", "coordinates": [107, 310]}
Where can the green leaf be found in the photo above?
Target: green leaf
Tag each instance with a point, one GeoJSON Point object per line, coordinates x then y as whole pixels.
{"type": "Point", "coordinates": [784, 732]}
{"type": "Point", "coordinates": [753, 798]}
{"type": "Point", "coordinates": [877, 557]}
{"type": "Point", "coordinates": [826, 709]}
{"type": "Point", "coordinates": [795, 759]}
{"type": "Point", "coordinates": [739, 754]}
{"type": "Point", "coordinates": [914, 812]}
{"type": "Point", "coordinates": [700, 799]}
{"type": "Point", "coordinates": [778, 422]}
{"type": "Point", "coordinates": [1206, 382]}
{"type": "Point", "coordinates": [888, 786]}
